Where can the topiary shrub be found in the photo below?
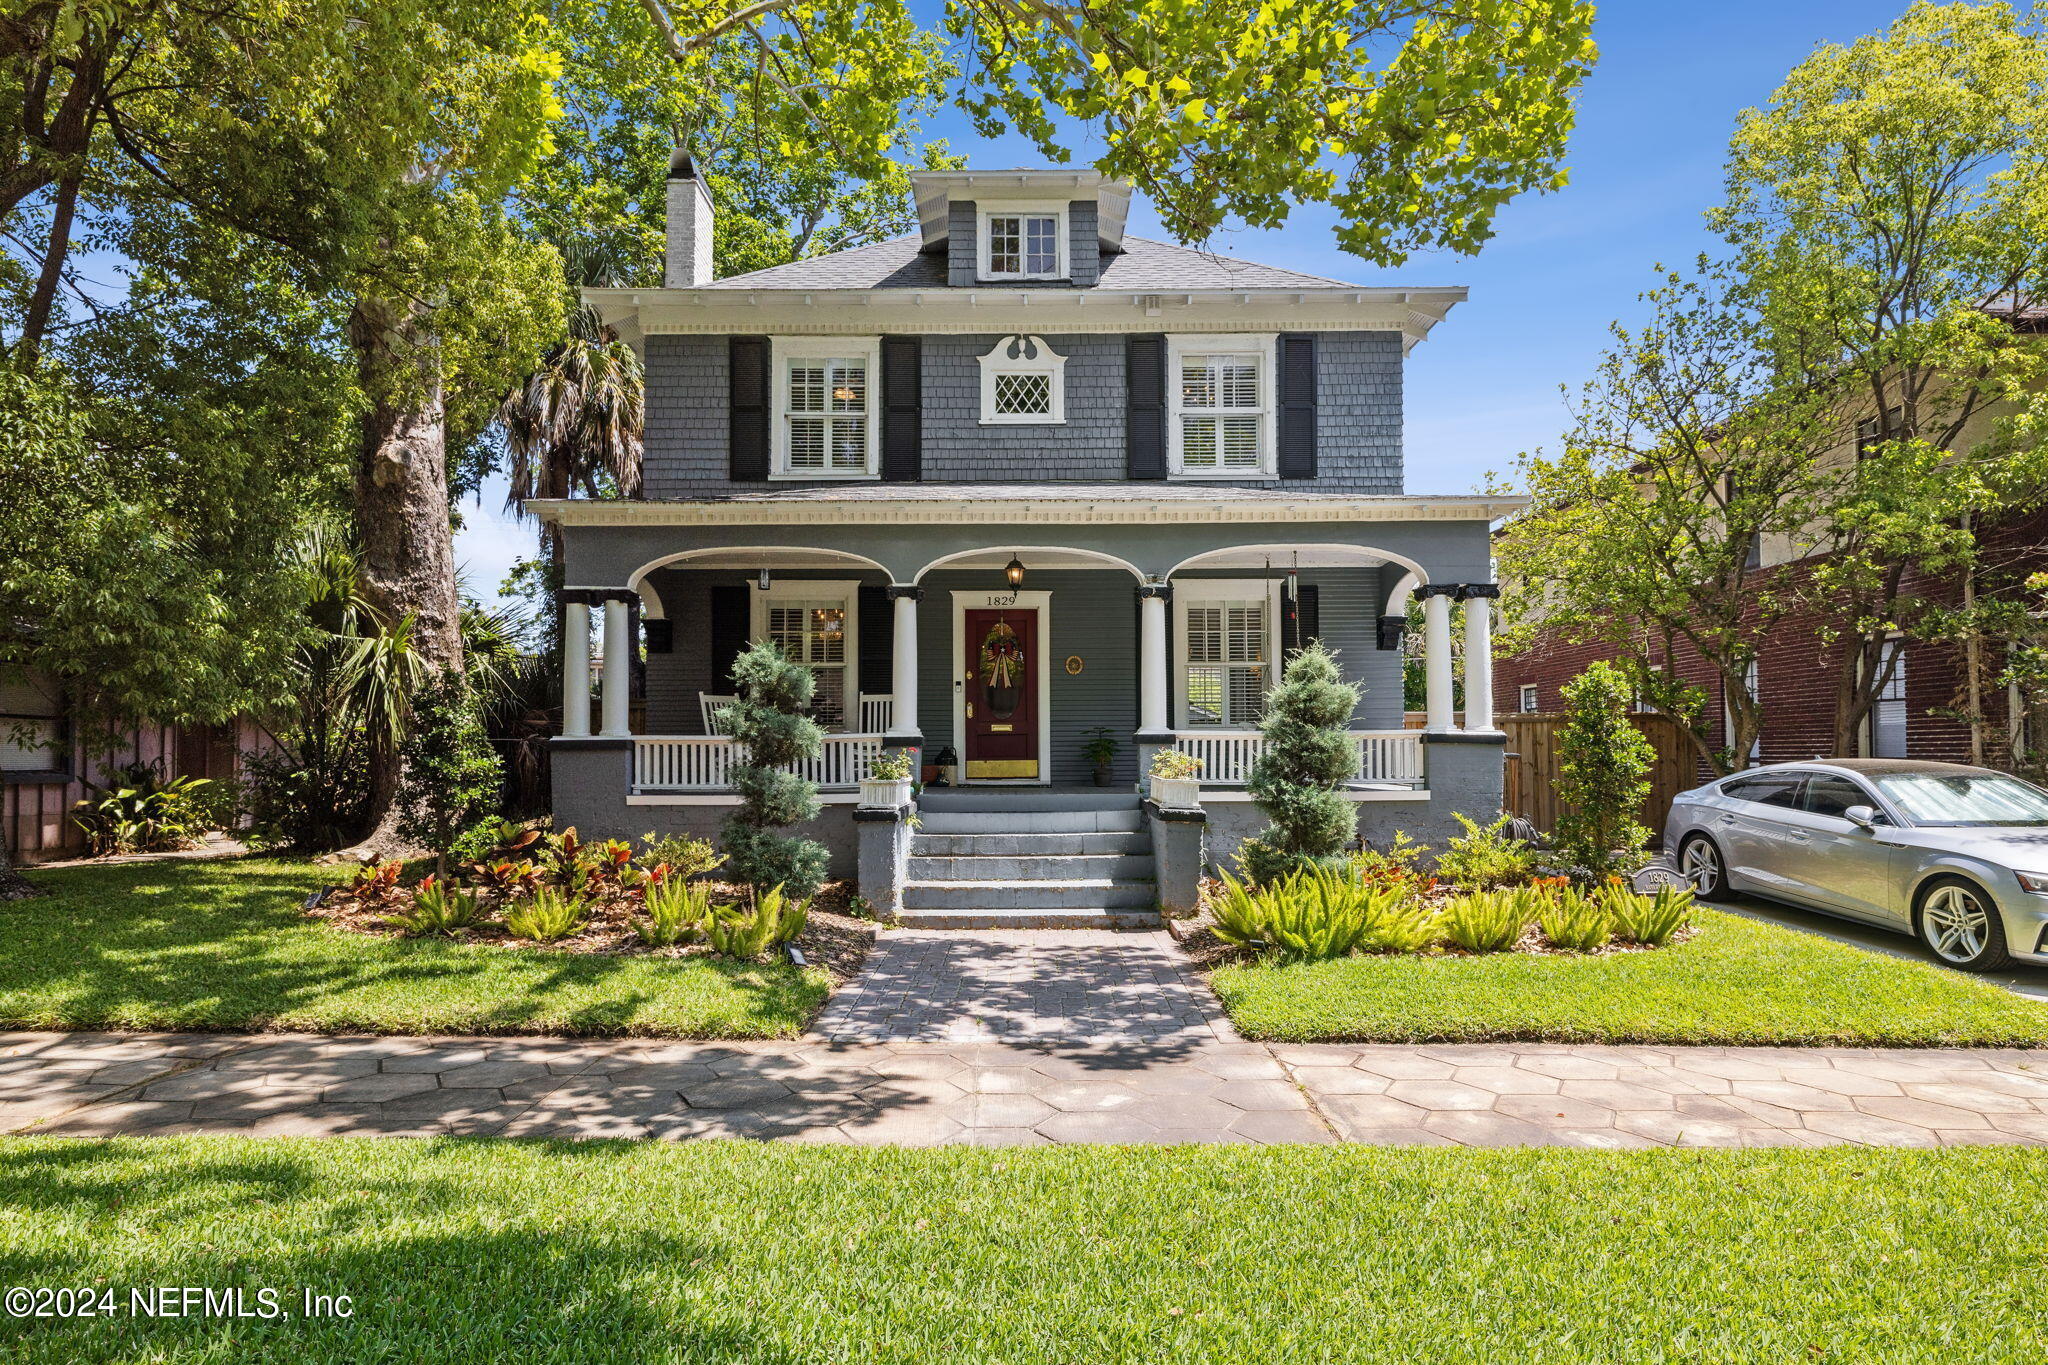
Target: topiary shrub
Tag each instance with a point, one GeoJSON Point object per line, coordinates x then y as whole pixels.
{"type": "Point", "coordinates": [1603, 775]}
{"type": "Point", "coordinates": [769, 719]}
{"type": "Point", "coordinates": [1298, 778]}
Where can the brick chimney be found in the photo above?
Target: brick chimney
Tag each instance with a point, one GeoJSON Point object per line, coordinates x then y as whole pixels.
{"type": "Point", "coordinates": [689, 225]}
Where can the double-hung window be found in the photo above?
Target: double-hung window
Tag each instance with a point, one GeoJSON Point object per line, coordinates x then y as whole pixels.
{"type": "Point", "coordinates": [1228, 641]}
{"type": "Point", "coordinates": [814, 623]}
{"type": "Point", "coordinates": [1220, 391]}
{"type": "Point", "coordinates": [1024, 242]}
{"type": "Point", "coordinates": [826, 407]}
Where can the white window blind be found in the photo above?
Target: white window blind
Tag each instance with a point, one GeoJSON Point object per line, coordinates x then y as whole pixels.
{"type": "Point", "coordinates": [1226, 670]}
{"type": "Point", "coordinates": [827, 412]}
{"type": "Point", "coordinates": [1222, 405]}
{"type": "Point", "coordinates": [1888, 717]}
{"type": "Point", "coordinates": [814, 634]}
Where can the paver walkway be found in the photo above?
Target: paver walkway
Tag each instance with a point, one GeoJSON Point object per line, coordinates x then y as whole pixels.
{"type": "Point", "coordinates": [1188, 1090]}
{"type": "Point", "coordinates": [1031, 985]}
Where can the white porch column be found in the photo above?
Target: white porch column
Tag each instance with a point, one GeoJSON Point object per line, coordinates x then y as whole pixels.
{"type": "Point", "coordinates": [1479, 655]}
{"type": "Point", "coordinates": [618, 654]}
{"type": "Point", "coordinates": [1152, 657]}
{"type": "Point", "coordinates": [576, 669]}
{"type": "Point", "coordinates": [903, 661]}
{"type": "Point", "coordinates": [1436, 656]}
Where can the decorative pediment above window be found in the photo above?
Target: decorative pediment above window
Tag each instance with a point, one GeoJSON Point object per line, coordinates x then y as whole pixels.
{"type": "Point", "coordinates": [1023, 383]}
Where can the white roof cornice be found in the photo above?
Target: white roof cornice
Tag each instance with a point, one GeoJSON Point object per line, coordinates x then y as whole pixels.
{"type": "Point", "coordinates": [1411, 312]}
{"type": "Point", "coordinates": [1077, 510]}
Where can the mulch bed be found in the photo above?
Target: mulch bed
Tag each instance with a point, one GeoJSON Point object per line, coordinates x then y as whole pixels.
{"type": "Point", "coordinates": [832, 938]}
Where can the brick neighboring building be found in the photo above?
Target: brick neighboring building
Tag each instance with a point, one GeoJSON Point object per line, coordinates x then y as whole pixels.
{"type": "Point", "coordinates": [1796, 672]}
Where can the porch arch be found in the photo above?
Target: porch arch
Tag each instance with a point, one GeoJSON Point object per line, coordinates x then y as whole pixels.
{"type": "Point", "coordinates": [1285, 556]}
{"type": "Point", "coordinates": [1048, 557]}
{"type": "Point", "coordinates": [752, 557]}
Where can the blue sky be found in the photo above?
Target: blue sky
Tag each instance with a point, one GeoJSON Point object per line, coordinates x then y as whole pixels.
{"type": "Point", "coordinates": [1645, 163]}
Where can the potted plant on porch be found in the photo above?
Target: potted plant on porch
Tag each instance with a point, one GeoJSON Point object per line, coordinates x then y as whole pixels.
{"type": "Point", "coordinates": [887, 785]}
{"type": "Point", "coordinates": [1101, 751]}
{"type": "Point", "coordinates": [1176, 778]}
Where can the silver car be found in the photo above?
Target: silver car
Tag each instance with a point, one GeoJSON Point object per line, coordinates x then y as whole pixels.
{"type": "Point", "coordinates": [1954, 854]}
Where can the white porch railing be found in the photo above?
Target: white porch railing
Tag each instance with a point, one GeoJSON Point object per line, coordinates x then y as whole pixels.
{"type": "Point", "coordinates": [877, 711]}
{"type": "Point", "coordinates": [704, 763]}
{"type": "Point", "coordinates": [1227, 755]}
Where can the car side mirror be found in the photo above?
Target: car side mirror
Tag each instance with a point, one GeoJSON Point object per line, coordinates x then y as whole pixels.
{"type": "Point", "coordinates": [1866, 816]}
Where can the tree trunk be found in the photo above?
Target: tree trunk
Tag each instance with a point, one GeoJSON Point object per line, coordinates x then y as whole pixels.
{"type": "Point", "coordinates": [1973, 656]}
{"type": "Point", "coordinates": [401, 515]}
{"type": "Point", "coordinates": [43, 302]}
{"type": "Point", "coordinates": [13, 886]}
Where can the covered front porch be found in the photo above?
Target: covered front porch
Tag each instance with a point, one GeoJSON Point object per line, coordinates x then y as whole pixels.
{"type": "Point", "coordinates": [1002, 660]}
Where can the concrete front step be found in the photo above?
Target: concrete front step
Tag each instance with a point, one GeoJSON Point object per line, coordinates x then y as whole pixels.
{"type": "Point", "coordinates": [1075, 893]}
{"type": "Point", "coordinates": [1028, 821]}
{"type": "Point", "coordinates": [1025, 799]}
{"type": "Point", "coordinates": [1029, 919]}
{"type": "Point", "coordinates": [1045, 867]}
{"type": "Point", "coordinates": [924, 844]}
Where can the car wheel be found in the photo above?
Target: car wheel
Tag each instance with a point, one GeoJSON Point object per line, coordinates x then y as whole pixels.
{"type": "Point", "coordinates": [1700, 862]}
{"type": "Point", "coordinates": [1960, 922]}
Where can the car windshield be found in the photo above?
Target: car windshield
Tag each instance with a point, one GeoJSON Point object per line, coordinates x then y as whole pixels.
{"type": "Point", "coordinates": [1931, 799]}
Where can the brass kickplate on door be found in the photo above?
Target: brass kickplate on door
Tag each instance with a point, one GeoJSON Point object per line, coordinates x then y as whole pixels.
{"type": "Point", "coordinates": [990, 768]}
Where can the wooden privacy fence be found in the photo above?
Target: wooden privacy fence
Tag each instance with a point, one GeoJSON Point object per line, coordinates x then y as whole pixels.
{"type": "Point", "coordinates": [1532, 774]}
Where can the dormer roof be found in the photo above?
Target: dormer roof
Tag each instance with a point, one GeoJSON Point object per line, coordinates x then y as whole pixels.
{"type": "Point", "coordinates": [935, 190]}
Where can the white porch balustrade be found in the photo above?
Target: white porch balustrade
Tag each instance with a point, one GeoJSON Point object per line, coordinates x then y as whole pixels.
{"type": "Point", "coordinates": [1390, 756]}
{"type": "Point", "coordinates": [705, 763]}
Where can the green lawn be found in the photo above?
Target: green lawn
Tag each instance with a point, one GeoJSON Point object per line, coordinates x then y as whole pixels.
{"type": "Point", "coordinates": [1738, 981]}
{"type": "Point", "coordinates": [725, 1252]}
{"type": "Point", "coordinates": [222, 945]}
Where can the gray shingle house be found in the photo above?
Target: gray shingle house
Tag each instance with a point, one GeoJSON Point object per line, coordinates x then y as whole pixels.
{"type": "Point", "coordinates": [1008, 484]}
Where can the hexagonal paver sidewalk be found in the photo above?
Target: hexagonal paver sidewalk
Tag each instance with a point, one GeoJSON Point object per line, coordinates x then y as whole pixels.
{"type": "Point", "coordinates": [1024, 986]}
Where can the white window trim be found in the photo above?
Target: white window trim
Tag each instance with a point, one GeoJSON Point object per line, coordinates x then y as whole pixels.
{"type": "Point", "coordinates": [782, 350]}
{"type": "Point", "coordinates": [1263, 345]}
{"type": "Point", "coordinates": [1056, 211]}
{"type": "Point", "coordinates": [1525, 699]}
{"type": "Point", "coordinates": [845, 592]}
{"type": "Point", "coordinates": [1189, 592]}
{"type": "Point", "coordinates": [1034, 357]}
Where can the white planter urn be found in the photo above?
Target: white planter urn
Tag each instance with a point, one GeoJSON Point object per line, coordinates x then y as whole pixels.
{"type": "Point", "coordinates": [884, 793]}
{"type": "Point", "coordinates": [1179, 793]}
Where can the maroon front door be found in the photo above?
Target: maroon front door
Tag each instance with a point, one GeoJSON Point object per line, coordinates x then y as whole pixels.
{"type": "Point", "coordinates": [1001, 673]}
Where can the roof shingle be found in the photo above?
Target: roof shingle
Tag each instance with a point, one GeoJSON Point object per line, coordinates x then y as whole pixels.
{"type": "Point", "coordinates": [1141, 266]}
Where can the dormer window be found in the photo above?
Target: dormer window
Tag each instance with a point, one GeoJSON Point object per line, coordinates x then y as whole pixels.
{"type": "Point", "coordinates": [1024, 242]}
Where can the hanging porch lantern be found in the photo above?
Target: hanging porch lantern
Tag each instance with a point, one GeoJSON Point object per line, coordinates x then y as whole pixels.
{"type": "Point", "coordinates": [1014, 571]}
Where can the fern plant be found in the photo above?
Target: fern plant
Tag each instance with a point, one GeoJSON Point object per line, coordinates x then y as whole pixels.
{"type": "Point", "coordinates": [437, 908]}
{"type": "Point", "coordinates": [1649, 920]}
{"type": "Point", "coordinates": [1576, 921]}
{"type": "Point", "coordinates": [789, 914]}
{"type": "Point", "coordinates": [546, 916]}
{"type": "Point", "coordinates": [1240, 914]}
{"type": "Point", "coordinates": [677, 912]}
{"type": "Point", "coordinates": [1488, 921]}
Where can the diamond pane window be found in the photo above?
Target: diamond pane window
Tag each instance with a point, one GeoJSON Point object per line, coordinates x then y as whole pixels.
{"type": "Point", "coordinates": [1020, 395]}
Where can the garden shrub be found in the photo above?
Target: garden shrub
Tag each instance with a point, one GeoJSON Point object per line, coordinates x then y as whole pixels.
{"type": "Point", "coordinates": [1603, 777]}
{"type": "Point", "coordinates": [1484, 857]}
{"type": "Point", "coordinates": [142, 811]}
{"type": "Point", "coordinates": [769, 719]}
{"type": "Point", "coordinates": [1576, 920]}
{"type": "Point", "coordinates": [1319, 913]}
{"type": "Point", "coordinates": [686, 858]}
{"type": "Point", "coordinates": [450, 776]}
{"type": "Point", "coordinates": [1299, 776]}
{"type": "Point", "coordinates": [1650, 920]}
{"type": "Point", "coordinates": [437, 908]}
{"type": "Point", "coordinates": [774, 918]}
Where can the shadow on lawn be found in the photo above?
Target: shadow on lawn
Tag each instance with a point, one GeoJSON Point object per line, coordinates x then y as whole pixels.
{"type": "Point", "coordinates": [435, 1271]}
{"type": "Point", "coordinates": [223, 944]}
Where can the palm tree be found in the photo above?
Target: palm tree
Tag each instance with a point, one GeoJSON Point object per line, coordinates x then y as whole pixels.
{"type": "Point", "coordinates": [576, 422]}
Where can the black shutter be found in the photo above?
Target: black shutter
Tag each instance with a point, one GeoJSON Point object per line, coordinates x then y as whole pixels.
{"type": "Point", "coordinates": [1301, 620]}
{"type": "Point", "coordinates": [877, 638]}
{"type": "Point", "coordinates": [1297, 407]}
{"type": "Point", "coordinates": [747, 364]}
{"type": "Point", "coordinates": [729, 612]}
{"type": "Point", "coordinates": [902, 409]}
{"type": "Point", "coordinates": [661, 636]}
{"type": "Point", "coordinates": [1145, 407]}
